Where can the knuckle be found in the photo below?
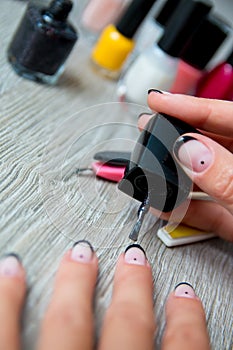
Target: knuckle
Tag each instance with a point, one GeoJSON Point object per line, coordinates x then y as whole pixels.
{"type": "Point", "coordinates": [124, 313]}
{"type": "Point", "coordinates": [181, 336]}
{"type": "Point", "coordinates": [63, 315]}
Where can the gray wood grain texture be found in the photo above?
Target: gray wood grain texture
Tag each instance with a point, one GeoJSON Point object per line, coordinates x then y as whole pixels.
{"type": "Point", "coordinates": [45, 134]}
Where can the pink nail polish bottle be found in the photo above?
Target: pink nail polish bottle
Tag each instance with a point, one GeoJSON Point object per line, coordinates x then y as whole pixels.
{"type": "Point", "coordinates": [99, 13]}
{"type": "Point", "coordinates": [218, 83]}
{"type": "Point", "coordinates": [197, 53]}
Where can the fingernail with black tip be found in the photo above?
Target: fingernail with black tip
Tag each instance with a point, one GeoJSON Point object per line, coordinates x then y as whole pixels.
{"type": "Point", "coordinates": [141, 114]}
{"type": "Point", "coordinates": [135, 254]}
{"type": "Point", "coordinates": [155, 90]}
{"type": "Point", "coordinates": [82, 251]}
{"type": "Point", "coordinates": [185, 290]}
{"type": "Point", "coordinates": [10, 265]}
{"type": "Point", "coordinates": [193, 153]}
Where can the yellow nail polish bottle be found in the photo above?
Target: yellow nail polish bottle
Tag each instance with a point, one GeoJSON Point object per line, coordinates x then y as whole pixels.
{"type": "Point", "coordinates": [116, 41]}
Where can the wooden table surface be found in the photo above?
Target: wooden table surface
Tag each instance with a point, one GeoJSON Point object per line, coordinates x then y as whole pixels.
{"type": "Point", "coordinates": [45, 134]}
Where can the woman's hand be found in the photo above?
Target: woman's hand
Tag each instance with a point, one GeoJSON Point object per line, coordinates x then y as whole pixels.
{"type": "Point", "coordinates": [207, 158]}
{"type": "Point", "coordinates": [129, 322]}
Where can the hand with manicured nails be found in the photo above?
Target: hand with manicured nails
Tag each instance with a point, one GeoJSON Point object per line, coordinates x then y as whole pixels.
{"type": "Point", "coordinates": [206, 158]}
{"type": "Point", "coordinates": [129, 323]}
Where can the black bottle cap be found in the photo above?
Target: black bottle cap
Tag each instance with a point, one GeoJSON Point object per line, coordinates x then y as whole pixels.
{"type": "Point", "coordinates": [59, 9]}
{"type": "Point", "coordinates": [133, 17]}
{"type": "Point", "coordinates": [185, 20]}
{"type": "Point", "coordinates": [230, 59]}
{"type": "Point", "coordinates": [153, 171]}
{"type": "Point", "coordinates": [204, 42]}
{"type": "Point", "coordinates": [166, 12]}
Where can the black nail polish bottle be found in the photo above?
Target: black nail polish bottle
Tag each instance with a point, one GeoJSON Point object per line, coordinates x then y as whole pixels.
{"type": "Point", "coordinates": [153, 171]}
{"type": "Point", "coordinates": [42, 42]}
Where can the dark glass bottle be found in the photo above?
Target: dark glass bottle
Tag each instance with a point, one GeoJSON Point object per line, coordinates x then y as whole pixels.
{"type": "Point", "coordinates": [42, 42]}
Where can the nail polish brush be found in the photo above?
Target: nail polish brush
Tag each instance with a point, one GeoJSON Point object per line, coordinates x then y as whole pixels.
{"type": "Point", "coordinates": [142, 211]}
{"type": "Point", "coordinates": [153, 176]}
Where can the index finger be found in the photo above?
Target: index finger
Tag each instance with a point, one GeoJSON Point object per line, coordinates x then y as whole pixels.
{"type": "Point", "coordinates": [206, 114]}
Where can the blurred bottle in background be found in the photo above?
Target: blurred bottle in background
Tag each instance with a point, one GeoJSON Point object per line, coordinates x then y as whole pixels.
{"type": "Point", "coordinates": [116, 41]}
{"type": "Point", "coordinates": [197, 54]}
{"type": "Point", "coordinates": [99, 13]}
{"type": "Point", "coordinates": [153, 27]}
{"type": "Point", "coordinates": [218, 82]}
{"type": "Point", "coordinates": [156, 67]}
{"type": "Point", "coordinates": [43, 41]}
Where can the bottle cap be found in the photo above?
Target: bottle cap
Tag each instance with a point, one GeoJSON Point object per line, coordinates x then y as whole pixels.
{"type": "Point", "coordinates": [153, 171]}
{"type": "Point", "coordinates": [133, 17]}
{"type": "Point", "coordinates": [166, 12]}
{"type": "Point", "coordinates": [204, 42]}
{"type": "Point", "coordinates": [230, 59]}
{"type": "Point", "coordinates": [184, 21]}
{"type": "Point", "coordinates": [59, 9]}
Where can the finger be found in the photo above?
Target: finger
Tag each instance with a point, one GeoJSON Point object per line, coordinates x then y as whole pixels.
{"type": "Point", "coordinates": [143, 119]}
{"type": "Point", "coordinates": [206, 114]}
{"type": "Point", "coordinates": [226, 142]}
{"type": "Point", "coordinates": [209, 165]}
{"type": "Point", "coordinates": [204, 215]}
{"type": "Point", "coordinates": [185, 321]}
{"type": "Point", "coordinates": [129, 322]}
{"type": "Point", "coordinates": [12, 294]}
{"type": "Point", "coordinates": [68, 323]}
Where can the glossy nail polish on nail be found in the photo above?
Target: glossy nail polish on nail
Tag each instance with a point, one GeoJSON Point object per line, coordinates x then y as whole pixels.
{"type": "Point", "coordinates": [141, 114]}
{"type": "Point", "coordinates": [155, 90]}
{"type": "Point", "coordinates": [135, 254]}
{"type": "Point", "coordinates": [185, 290]}
{"type": "Point", "coordinates": [10, 265]}
{"type": "Point", "coordinates": [193, 154]}
{"type": "Point", "coordinates": [82, 251]}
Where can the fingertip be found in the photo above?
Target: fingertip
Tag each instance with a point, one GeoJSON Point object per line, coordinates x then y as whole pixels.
{"type": "Point", "coordinates": [143, 119]}
{"type": "Point", "coordinates": [184, 301]}
{"type": "Point", "coordinates": [153, 94]}
{"type": "Point", "coordinates": [82, 252]}
{"type": "Point", "coordinates": [185, 320]}
{"type": "Point", "coordinates": [184, 290]}
{"type": "Point", "coordinates": [11, 266]}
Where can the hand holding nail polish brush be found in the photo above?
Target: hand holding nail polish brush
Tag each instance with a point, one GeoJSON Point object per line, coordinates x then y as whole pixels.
{"type": "Point", "coordinates": [206, 158]}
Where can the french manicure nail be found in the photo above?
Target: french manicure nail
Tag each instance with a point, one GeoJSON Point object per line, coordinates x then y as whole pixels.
{"type": "Point", "coordinates": [185, 290]}
{"type": "Point", "coordinates": [154, 90]}
{"type": "Point", "coordinates": [135, 254]}
{"type": "Point", "coordinates": [141, 114]}
{"type": "Point", "coordinates": [10, 265]}
{"type": "Point", "coordinates": [193, 154]}
{"type": "Point", "coordinates": [82, 251]}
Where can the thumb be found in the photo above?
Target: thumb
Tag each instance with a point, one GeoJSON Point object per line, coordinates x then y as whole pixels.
{"type": "Point", "coordinates": [209, 165]}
